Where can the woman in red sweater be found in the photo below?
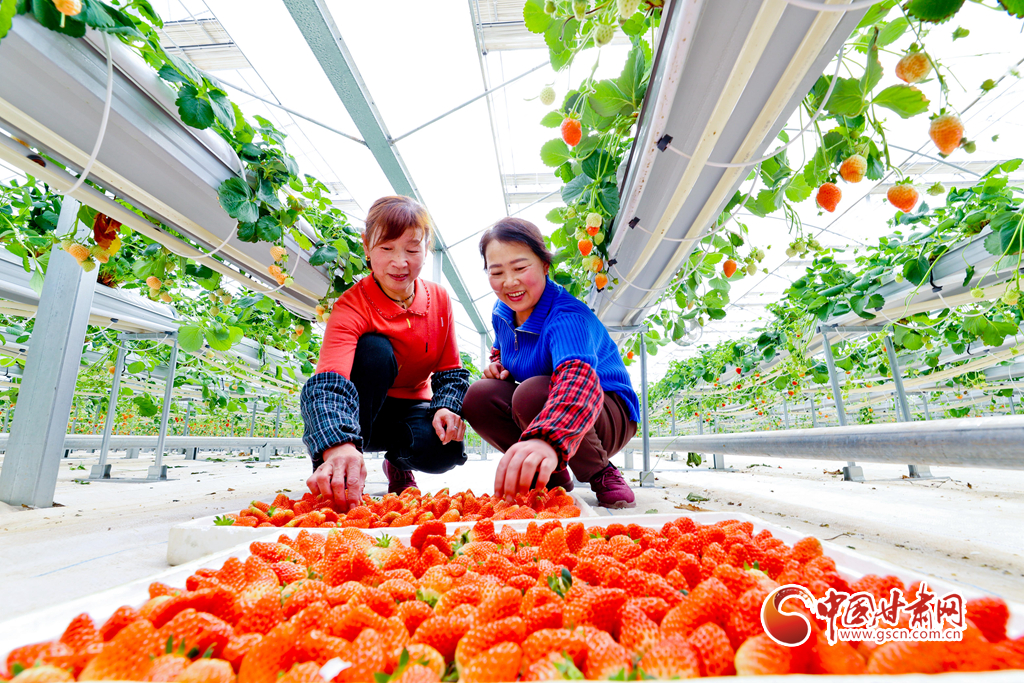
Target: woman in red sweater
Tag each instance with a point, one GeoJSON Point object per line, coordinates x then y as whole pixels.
{"type": "Point", "coordinates": [389, 376]}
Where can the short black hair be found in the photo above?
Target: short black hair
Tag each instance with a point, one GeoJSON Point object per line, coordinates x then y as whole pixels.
{"type": "Point", "coordinates": [520, 231]}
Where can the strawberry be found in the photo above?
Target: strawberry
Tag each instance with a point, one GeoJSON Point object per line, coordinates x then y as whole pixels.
{"type": "Point", "coordinates": [262, 662]}
{"type": "Point", "coordinates": [606, 659]}
{"type": "Point", "coordinates": [167, 667]}
{"type": "Point", "coordinates": [547, 96]}
{"type": "Point", "coordinates": [913, 67]}
{"type": "Point", "coordinates": [601, 281]}
{"type": "Point", "coordinates": [127, 656]}
{"type": "Point", "coordinates": [597, 607]}
{"type": "Point", "coordinates": [288, 572]}
{"type": "Point", "coordinates": [207, 671]}
{"type": "Point", "coordinates": [275, 552]}
{"type": "Point", "coordinates": [497, 603]}
{"type": "Point", "coordinates": [572, 132]}
{"type": "Point", "coordinates": [586, 246]}
{"type": "Point", "coordinates": [263, 615]}
{"type": "Point", "coordinates": [306, 672]}
{"type": "Point", "coordinates": [728, 268]}
{"type": "Point", "coordinates": [154, 282]}
{"type": "Point", "coordinates": [903, 196]}
{"type": "Point", "coordinates": [760, 656]}
{"type": "Point", "coordinates": [117, 621]}
{"type": "Point", "coordinates": [194, 633]}
{"type": "Point", "coordinates": [553, 547]}
{"type": "Point", "coordinates": [69, 8]}
{"type": "Point", "coordinates": [278, 252]}
{"type": "Point", "coordinates": [596, 264]}
{"type": "Point", "coordinates": [554, 666]}
{"type": "Point", "coordinates": [853, 167]}
{"type": "Point", "coordinates": [481, 638]}
{"type": "Point", "coordinates": [430, 528]}
{"type": "Point", "coordinates": [442, 633]}
{"type": "Point", "coordinates": [543, 642]}
{"type": "Point", "coordinates": [805, 550]}
{"type": "Point", "coordinates": [637, 632]}
{"type": "Point", "coordinates": [828, 196]}
{"type": "Point", "coordinates": [715, 653]}
{"type": "Point", "coordinates": [79, 252]}
{"type": "Point", "coordinates": [744, 620]}
{"type": "Point", "coordinates": [575, 536]}
{"type": "Point", "coordinates": [28, 656]}
{"type": "Point", "coordinates": [44, 673]}
{"type": "Point", "coordinates": [989, 614]}
{"type": "Point", "coordinates": [838, 659]}
{"type": "Point", "coordinates": [80, 634]}
{"type": "Point", "coordinates": [672, 657]}
{"type": "Point", "coordinates": [500, 663]}
{"type": "Point", "coordinates": [367, 655]}
{"type": "Point", "coordinates": [946, 131]}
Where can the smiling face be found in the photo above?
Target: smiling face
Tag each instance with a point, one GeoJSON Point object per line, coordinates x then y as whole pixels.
{"type": "Point", "coordinates": [517, 276]}
{"type": "Point", "coordinates": [397, 263]}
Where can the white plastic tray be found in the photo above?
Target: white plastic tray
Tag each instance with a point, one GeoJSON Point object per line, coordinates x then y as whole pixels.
{"type": "Point", "coordinates": [49, 623]}
{"type": "Point", "coordinates": [200, 537]}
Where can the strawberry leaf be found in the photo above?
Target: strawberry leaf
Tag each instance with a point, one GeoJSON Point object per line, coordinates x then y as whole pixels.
{"type": "Point", "coordinates": [934, 11]}
{"type": "Point", "coordinates": [1014, 7]}
{"type": "Point", "coordinates": [905, 100]}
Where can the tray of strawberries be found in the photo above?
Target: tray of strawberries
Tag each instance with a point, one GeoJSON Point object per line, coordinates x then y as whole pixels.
{"type": "Point", "coordinates": [206, 535]}
{"type": "Point", "coordinates": [644, 596]}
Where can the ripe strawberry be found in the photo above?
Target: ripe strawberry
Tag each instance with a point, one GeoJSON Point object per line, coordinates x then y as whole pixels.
{"type": "Point", "coordinates": [586, 246]}
{"type": "Point", "coordinates": [637, 632]}
{"type": "Point", "coordinates": [760, 656]}
{"type": "Point", "coordinates": [442, 633]}
{"type": "Point", "coordinates": [28, 656]}
{"type": "Point", "coordinates": [828, 196]}
{"type": "Point", "coordinates": [946, 131]}
{"type": "Point", "coordinates": [553, 547]}
{"type": "Point", "coordinates": [853, 168]}
{"type": "Point", "coordinates": [554, 666]}
{"type": "Point", "coordinates": [572, 132]}
{"type": "Point", "coordinates": [672, 657]}
{"type": "Point", "coordinates": [44, 673]}
{"type": "Point", "coordinates": [575, 536]}
{"type": "Point", "coordinates": [127, 656]}
{"type": "Point", "coordinates": [275, 552]}
{"type": "Point", "coordinates": [913, 67]}
{"type": "Point", "coordinates": [207, 671]}
{"type": "Point", "coordinates": [745, 619]}
{"type": "Point", "coordinates": [278, 252]}
{"type": "Point", "coordinates": [117, 621]}
{"type": "Point", "coordinates": [79, 251]}
{"type": "Point", "coordinates": [153, 282]}
{"type": "Point", "coordinates": [543, 642]}
{"type": "Point", "coordinates": [596, 264]}
{"type": "Point", "coordinates": [805, 550]}
{"type": "Point", "coordinates": [275, 271]}
{"type": "Point", "coordinates": [838, 659]}
{"type": "Point", "coordinates": [306, 672]}
{"type": "Point", "coordinates": [601, 281]}
{"type": "Point", "coordinates": [989, 614]}
{"type": "Point", "coordinates": [729, 267]}
{"type": "Point", "coordinates": [367, 654]}
{"type": "Point", "coordinates": [709, 601]}
{"type": "Point", "coordinates": [606, 659]}
{"type": "Point", "coordinates": [195, 632]}
{"type": "Point", "coordinates": [482, 638]}
{"type": "Point", "coordinates": [500, 663]}
{"type": "Point", "coordinates": [430, 528]}
{"type": "Point", "coordinates": [715, 653]}
{"type": "Point", "coordinates": [903, 196]}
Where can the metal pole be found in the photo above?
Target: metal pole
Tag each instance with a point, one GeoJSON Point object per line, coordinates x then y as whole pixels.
{"type": "Point", "coordinates": [102, 470]}
{"type": "Point", "coordinates": [188, 414]}
{"type": "Point", "coordinates": [673, 432]}
{"type": "Point", "coordinates": [851, 472]}
{"type": "Point", "coordinates": [643, 408]}
{"type": "Point", "coordinates": [277, 421]}
{"type": "Point", "coordinates": [252, 423]}
{"type": "Point", "coordinates": [814, 413]}
{"type": "Point", "coordinates": [74, 421]}
{"type": "Point", "coordinates": [159, 470]}
{"type": "Point", "coordinates": [1013, 410]}
{"type": "Point", "coordinates": [96, 420]}
{"type": "Point", "coordinates": [897, 378]}
{"type": "Point", "coordinates": [924, 404]}
{"type": "Point", "coordinates": [7, 414]}
{"type": "Point", "coordinates": [785, 412]}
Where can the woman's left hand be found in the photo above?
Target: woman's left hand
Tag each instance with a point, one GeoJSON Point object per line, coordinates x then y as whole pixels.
{"type": "Point", "coordinates": [449, 426]}
{"type": "Point", "coordinates": [521, 463]}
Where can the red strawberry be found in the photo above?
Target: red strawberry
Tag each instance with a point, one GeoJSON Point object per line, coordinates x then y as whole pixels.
{"type": "Point", "coordinates": [672, 657]}
{"type": "Point", "coordinates": [207, 671]}
{"type": "Point", "coordinates": [903, 196]}
{"type": "Point", "coordinates": [275, 552]}
{"type": "Point", "coordinates": [117, 621]}
{"type": "Point", "coordinates": [838, 659]}
{"type": "Point", "coordinates": [288, 572]}
{"type": "Point", "coordinates": [542, 642]}
{"type": "Point", "coordinates": [805, 550]}
{"type": "Point", "coordinates": [44, 673]}
{"type": "Point", "coordinates": [262, 662]}
{"type": "Point", "coordinates": [481, 638]}
{"type": "Point", "coordinates": [729, 267]}
{"type": "Point", "coordinates": [828, 196]}
{"type": "Point", "coordinates": [430, 528]}
{"type": "Point", "coordinates": [712, 646]}
{"type": "Point", "coordinates": [500, 663]}
{"type": "Point", "coordinates": [193, 633]}
{"type": "Point", "coordinates": [989, 614]}
{"type": "Point", "coordinates": [946, 131]}
{"type": "Point", "coordinates": [606, 659]}
{"type": "Point", "coordinates": [637, 632]}
{"type": "Point", "coordinates": [761, 656]}
{"type": "Point", "coordinates": [586, 246]}
{"type": "Point", "coordinates": [28, 656]}
{"type": "Point", "coordinates": [554, 546]}
{"type": "Point", "coordinates": [709, 601]}
{"type": "Point", "coordinates": [442, 633]}
{"type": "Point", "coordinates": [127, 656]}
{"type": "Point", "coordinates": [913, 67]}
{"type": "Point", "coordinates": [745, 619]}
{"type": "Point", "coordinates": [239, 646]}
{"type": "Point", "coordinates": [853, 167]}
{"type": "Point", "coordinates": [306, 672]}
{"type": "Point", "coordinates": [572, 132]}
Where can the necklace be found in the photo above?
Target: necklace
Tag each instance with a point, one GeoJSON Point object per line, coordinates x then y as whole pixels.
{"type": "Point", "coordinates": [404, 303]}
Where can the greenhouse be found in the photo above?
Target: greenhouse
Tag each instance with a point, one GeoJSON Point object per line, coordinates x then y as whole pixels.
{"type": "Point", "coordinates": [511, 340]}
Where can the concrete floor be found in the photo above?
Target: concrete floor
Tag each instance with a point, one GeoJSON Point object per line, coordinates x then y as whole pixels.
{"type": "Point", "coordinates": [965, 529]}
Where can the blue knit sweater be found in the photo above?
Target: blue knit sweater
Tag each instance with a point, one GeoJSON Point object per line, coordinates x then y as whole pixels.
{"type": "Point", "coordinates": [561, 328]}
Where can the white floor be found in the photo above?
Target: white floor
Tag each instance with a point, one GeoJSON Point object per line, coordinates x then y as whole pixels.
{"type": "Point", "coordinates": [966, 529]}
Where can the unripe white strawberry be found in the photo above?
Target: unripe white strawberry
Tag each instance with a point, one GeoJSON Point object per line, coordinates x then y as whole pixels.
{"type": "Point", "coordinates": [547, 95]}
{"type": "Point", "coordinates": [628, 8]}
{"type": "Point", "coordinates": [594, 220]}
{"type": "Point", "coordinates": [604, 34]}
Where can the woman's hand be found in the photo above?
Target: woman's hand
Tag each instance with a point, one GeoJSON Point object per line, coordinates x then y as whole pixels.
{"type": "Point", "coordinates": [448, 425]}
{"type": "Point", "coordinates": [496, 371]}
{"type": "Point", "coordinates": [519, 465]}
{"type": "Point", "coordinates": [341, 477]}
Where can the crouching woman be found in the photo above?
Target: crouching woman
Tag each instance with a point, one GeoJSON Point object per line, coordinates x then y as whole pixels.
{"type": "Point", "coordinates": [556, 397]}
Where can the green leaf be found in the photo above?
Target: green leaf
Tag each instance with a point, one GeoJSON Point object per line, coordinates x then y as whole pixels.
{"type": "Point", "coordinates": [798, 190]}
{"type": "Point", "coordinates": [917, 270]}
{"type": "Point", "coordinates": [554, 152]}
{"type": "Point", "coordinates": [236, 198]}
{"type": "Point", "coordinates": [631, 80]}
{"type": "Point", "coordinates": [195, 111]}
{"type": "Point", "coordinates": [103, 17]}
{"type": "Point", "coordinates": [218, 337]}
{"type": "Point", "coordinates": [598, 165]}
{"type": "Point", "coordinates": [190, 338]}
{"type": "Point", "coordinates": [536, 19]}
{"type": "Point", "coordinates": [574, 188]}
{"type": "Point", "coordinates": [36, 282]}
{"type": "Point", "coordinates": [847, 98]}
{"type": "Point", "coordinates": [892, 30]}
{"type": "Point", "coordinates": [912, 341]}
{"type": "Point", "coordinates": [934, 11]}
{"type": "Point", "coordinates": [235, 334]}
{"type": "Point", "coordinates": [268, 229]}
{"type": "Point", "coordinates": [222, 109]}
{"type": "Point", "coordinates": [185, 67]}
{"type": "Point", "coordinates": [552, 119]}
{"type": "Point", "coordinates": [961, 32]}
{"type": "Point", "coordinates": [609, 100]}
{"type": "Point", "coordinates": [1014, 7]}
{"type": "Point", "coordinates": [608, 197]}
{"type": "Point", "coordinates": [136, 367]}
{"type": "Point", "coordinates": [905, 100]}
{"type": "Point", "coordinates": [8, 8]}
{"type": "Point", "coordinates": [47, 15]}
{"type": "Point", "coordinates": [266, 304]}
{"type": "Point", "coordinates": [171, 75]}
{"type": "Point", "coordinates": [873, 70]}
{"type": "Point", "coordinates": [325, 254]}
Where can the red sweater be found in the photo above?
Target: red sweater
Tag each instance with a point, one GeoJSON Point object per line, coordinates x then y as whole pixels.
{"type": "Point", "coordinates": [422, 335]}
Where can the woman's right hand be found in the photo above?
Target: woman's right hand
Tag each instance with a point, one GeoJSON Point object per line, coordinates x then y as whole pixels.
{"type": "Point", "coordinates": [496, 371]}
{"type": "Point", "coordinates": [341, 476]}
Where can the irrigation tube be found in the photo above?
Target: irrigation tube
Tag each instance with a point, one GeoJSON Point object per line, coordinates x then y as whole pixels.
{"type": "Point", "coordinates": [103, 121]}
{"type": "Point", "coordinates": [994, 442]}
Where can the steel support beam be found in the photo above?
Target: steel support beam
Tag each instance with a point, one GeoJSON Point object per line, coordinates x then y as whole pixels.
{"type": "Point", "coordinates": [102, 470]}
{"type": "Point", "coordinates": [188, 414]}
{"type": "Point", "coordinates": [252, 422]}
{"type": "Point", "coordinates": [324, 38]}
{"type": "Point", "coordinates": [158, 470]}
{"type": "Point", "coordinates": [785, 413]}
{"type": "Point", "coordinates": [646, 475]}
{"type": "Point", "coordinates": [673, 430]}
{"type": "Point", "coordinates": [814, 412]}
{"type": "Point", "coordinates": [916, 471]}
{"type": "Point", "coordinates": [36, 443]}
{"type": "Point", "coordinates": [277, 421]}
{"type": "Point", "coordinates": [924, 404]}
{"type": "Point", "coordinates": [851, 472]}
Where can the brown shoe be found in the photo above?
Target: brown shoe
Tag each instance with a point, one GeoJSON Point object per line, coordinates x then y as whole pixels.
{"type": "Point", "coordinates": [611, 489]}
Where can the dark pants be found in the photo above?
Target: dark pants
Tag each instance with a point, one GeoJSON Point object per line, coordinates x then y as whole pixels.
{"type": "Point", "coordinates": [400, 427]}
{"type": "Point", "coordinates": [500, 411]}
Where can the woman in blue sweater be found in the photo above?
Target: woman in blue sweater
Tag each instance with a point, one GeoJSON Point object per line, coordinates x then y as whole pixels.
{"type": "Point", "coordinates": [556, 397]}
